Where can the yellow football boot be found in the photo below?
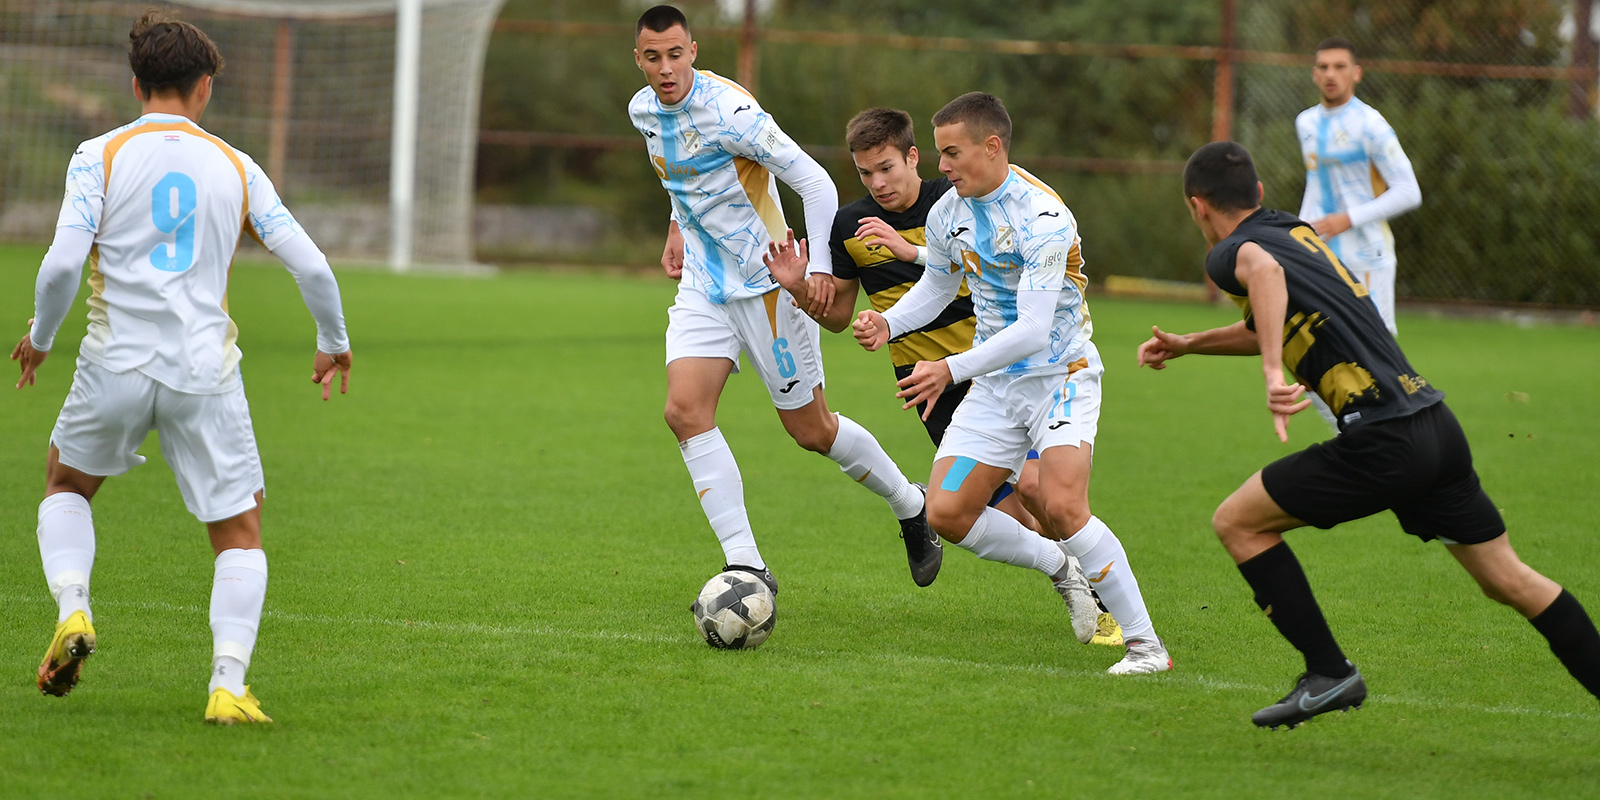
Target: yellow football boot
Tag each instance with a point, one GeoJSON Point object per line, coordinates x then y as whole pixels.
{"type": "Point", "coordinates": [63, 662]}
{"type": "Point", "coordinates": [1107, 631]}
{"type": "Point", "coordinates": [226, 708]}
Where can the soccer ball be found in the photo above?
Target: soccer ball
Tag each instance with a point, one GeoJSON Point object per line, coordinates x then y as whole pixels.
{"type": "Point", "coordinates": [735, 611]}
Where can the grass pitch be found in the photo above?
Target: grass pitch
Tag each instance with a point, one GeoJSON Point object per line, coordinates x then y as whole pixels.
{"type": "Point", "coordinates": [482, 560]}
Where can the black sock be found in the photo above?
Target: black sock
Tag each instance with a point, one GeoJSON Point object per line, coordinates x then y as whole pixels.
{"type": "Point", "coordinates": [1283, 592]}
{"type": "Point", "coordinates": [1572, 638]}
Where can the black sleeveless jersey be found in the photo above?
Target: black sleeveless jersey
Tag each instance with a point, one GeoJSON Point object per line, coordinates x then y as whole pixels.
{"type": "Point", "coordinates": [1333, 339]}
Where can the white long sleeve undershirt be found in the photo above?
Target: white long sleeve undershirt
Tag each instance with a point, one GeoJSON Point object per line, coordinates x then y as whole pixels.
{"type": "Point", "coordinates": [57, 284]}
{"type": "Point", "coordinates": [1402, 195]}
{"type": "Point", "coordinates": [821, 202]}
{"type": "Point", "coordinates": [1036, 310]}
{"type": "Point", "coordinates": [319, 289]}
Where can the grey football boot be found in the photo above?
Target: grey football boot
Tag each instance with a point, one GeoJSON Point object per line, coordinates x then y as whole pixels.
{"type": "Point", "coordinates": [924, 548]}
{"type": "Point", "coordinates": [1313, 694]}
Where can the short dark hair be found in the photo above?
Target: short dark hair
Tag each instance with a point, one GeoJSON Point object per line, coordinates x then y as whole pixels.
{"type": "Point", "coordinates": [983, 113]}
{"type": "Point", "coordinates": [1337, 43]}
{"type": "Point", "coordinates": [660, 19]}
{"type": "Point", "coordinates": [168, 54]}
{"type": "Point", "coordinates": [1223, 175]}
{"type": "Point", "coordinates": [878, 126]}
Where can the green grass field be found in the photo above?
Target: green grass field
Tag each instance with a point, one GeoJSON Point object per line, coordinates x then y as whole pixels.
{"type": "Point", "coordinates": [483, 556]}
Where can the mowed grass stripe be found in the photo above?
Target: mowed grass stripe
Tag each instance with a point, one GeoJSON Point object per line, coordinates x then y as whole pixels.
{"type": "Point", "coordinates": [1178, 676]}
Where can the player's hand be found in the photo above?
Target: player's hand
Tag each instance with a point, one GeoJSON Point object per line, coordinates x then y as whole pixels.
{"type": "Point", "coordinates": [672, 254]}
{"type": "Point", "coordinates": [874, 232]}
{"type": "Point", "coordinates": [323, 368]}
{"type": "Point", "coordinates": [28, 358]}
{"type": "Point", "coordinates": [926, 382]}
{"type": "Point", "coordinates": [1284, 400]}
{"type": "Point", "coordinates": [1161, 348]}
{"type": "Point", "coordinates": [787, 260]}
{"type": "Point", "coordinates": [871, 330]}
{"type": "Point", "coordinates": [819, 289]}
{"type": "Point", "coordinates": [1331, 225]}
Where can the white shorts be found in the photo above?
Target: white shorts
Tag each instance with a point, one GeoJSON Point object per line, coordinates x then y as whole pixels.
{"type": "Point", "coordinates": [1379, 281]}
{"type": "Point", "coordinates": [780, 341]}
{"type": "Point", "coordinates": [207, 439]}
{"type": "Point", "coordinates": [1003, 417]}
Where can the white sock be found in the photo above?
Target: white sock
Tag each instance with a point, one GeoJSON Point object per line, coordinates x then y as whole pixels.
{"type": "Point", "coordinates": [237, 592]}
{"type": "Point", "coordinates": [998, 537]}
{"type": "Point", "coordinates": [721, 489]}
{"type": "Point", "coordinates": [863, 459]}
{"type": "Point", "coordinates": [66, 546]}
{"type": "Point", "coordinates": [1106, 564]}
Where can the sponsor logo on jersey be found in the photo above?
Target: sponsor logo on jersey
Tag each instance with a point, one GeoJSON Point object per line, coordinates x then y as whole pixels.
{"type": "Point", "coordinates": [741, 108]}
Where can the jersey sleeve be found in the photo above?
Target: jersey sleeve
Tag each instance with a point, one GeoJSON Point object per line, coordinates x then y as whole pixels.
{"type": "Point", "coordinates": [1045, 248]}
{"type": "Point", "coordinates": [1221, 263]}
{"type": "Point", "coordinates": [86, 190]}
{"type": "Point", "coordinates": [270, 220]}
{"type": "Point", "coordinates": [1402, 192]}
{"type": "Point", "coordinates": [843, 265]}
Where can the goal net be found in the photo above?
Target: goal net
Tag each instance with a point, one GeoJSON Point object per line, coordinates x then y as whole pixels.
{"type": "Point", "coordinates": [308, 90]}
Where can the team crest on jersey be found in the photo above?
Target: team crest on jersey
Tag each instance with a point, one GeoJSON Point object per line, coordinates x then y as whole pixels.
{"type": "Point", "coordinates": [1004, 239]}
{"type": "Point", "coordinates": [1341, 139]}
{"type": "Point", "coordinates": [691, 141]}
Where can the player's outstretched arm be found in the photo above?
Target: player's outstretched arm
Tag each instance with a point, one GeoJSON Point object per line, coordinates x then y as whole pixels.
{"type": "Point", "coordinates": [1232, 340]}
{"type": "Point", "coordinates": [1262, 277]}
{"type": "Point", "coordinates": [320, 291]}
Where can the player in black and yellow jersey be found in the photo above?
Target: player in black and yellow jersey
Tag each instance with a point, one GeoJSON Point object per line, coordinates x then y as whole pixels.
{"type": "Point", "coordinates": [878, 243]}
{"type": "Point", "coordinates": [1399, 448]}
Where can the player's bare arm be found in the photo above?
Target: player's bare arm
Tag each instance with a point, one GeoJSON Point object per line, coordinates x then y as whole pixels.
{"type": "Point", "coordinates": [1231, 340]}
{"type": "Point", "coordinates": [672, 254]}
{"type": "Point", "coordinates": [1262, 277]}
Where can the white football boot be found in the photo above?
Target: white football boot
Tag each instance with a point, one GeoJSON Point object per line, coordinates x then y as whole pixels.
{"type": "Point", "coordinates": [1073, 586]}
{"type": "Point", "coordinates": [1143, 658]}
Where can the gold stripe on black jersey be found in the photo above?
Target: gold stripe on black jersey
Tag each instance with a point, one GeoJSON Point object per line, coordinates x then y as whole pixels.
{"type": "Point", "coordinates": [885, 279]}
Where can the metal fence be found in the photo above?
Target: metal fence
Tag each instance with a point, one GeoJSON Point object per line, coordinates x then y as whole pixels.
{"type": "Point", "coordinates": [1494, 103]}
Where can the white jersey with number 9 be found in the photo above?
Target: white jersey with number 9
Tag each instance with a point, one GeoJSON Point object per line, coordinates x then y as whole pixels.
{"type": "Point", "coordinates": [167, 202]}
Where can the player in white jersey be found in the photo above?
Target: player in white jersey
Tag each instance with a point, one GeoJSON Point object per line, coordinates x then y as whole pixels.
{"type": "Point", "coordinates": [1035, 373]}
{"type": "Point", "coordinates": [157, 207]}
{"type": "Point", "coordinates": [717, 152]}
{"type": "Point", "coordinates": [1357, 176]}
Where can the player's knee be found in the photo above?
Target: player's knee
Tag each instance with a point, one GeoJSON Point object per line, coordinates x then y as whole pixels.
{"type": "Point", "coordinates": [814, 434]}
{"type": "Point", "coordinates": [1226, 524]}
{"type": "Point", "coordinates": [1066, 516]}
{"type": "Point", "coordinates": [949, 518]}
{"type": "Point", "coordinates": [686, 422]}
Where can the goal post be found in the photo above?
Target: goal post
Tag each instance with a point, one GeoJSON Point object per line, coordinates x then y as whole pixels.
{"type": "Point", "coordinates": [369, 133]}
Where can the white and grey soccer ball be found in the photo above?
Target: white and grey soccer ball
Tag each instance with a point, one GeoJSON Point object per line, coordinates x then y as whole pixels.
{"type": "Point", "coordinates": [735, 611]}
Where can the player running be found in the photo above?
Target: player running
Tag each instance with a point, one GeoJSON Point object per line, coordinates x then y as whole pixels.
{"type": "Point", "coordinates": [1357, 177]}
{"type": "Point", "coordinates": [159, 232]}
{"type": "Point", "coordinates": [717, 152]}
{"type": "Point", "coordinates": [1399, 447]}
{"type": "Point", "coordinates": [878, 242]}
{"type": "Point", "coordinates": [1035, 374]}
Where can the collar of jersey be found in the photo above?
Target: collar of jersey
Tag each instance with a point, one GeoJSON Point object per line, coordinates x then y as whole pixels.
{"type": "Point", "coordinates": [999, 190]}
{"type": "Point", "coordinates": [694, 85]}
{"type": "Point", "coordinates": [158, 116]}
{"type": "Point", "coordinates": [1332, 111]}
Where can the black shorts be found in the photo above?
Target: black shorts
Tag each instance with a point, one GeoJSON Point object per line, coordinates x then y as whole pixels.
{"type": "Point", "coordinates": [943, 407]}
{"type": "Point", "coordinates": [1419, 466]}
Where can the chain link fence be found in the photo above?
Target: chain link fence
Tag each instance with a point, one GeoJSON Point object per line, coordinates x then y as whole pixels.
{"type": "Point", "coordinates": [1501, 132]}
